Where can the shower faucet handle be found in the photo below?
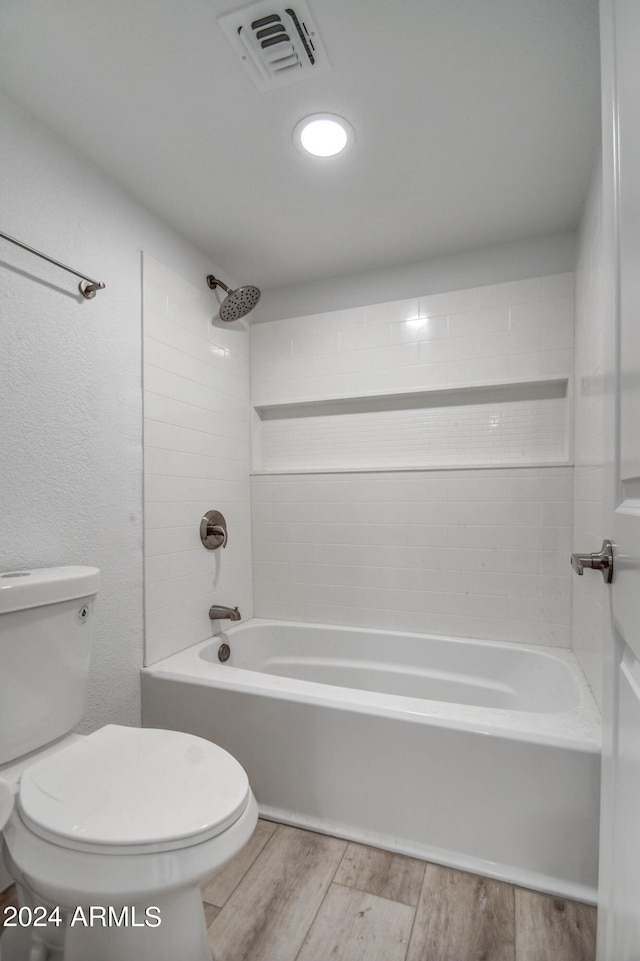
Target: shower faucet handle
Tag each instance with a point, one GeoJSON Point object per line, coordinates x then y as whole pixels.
{"type": "Point", "coordinates": [213, 530]}
{"type": "Point", "coordinates": [601, 561]}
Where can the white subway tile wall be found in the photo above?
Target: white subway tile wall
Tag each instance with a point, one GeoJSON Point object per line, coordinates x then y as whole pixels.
{"type": "Point", "coordinates": [590, 601]}
{"type": "Point", "coordinates": [474, 553]}
{"type": "Point", "coordinates": [517, 331]}
{"type": "Point", "coordinates": [467, 552]}
{"type": "Point", "coordinates": [510, 432]}
{"type": "Point", "coordinates": [521, 330]}
{"type": "Point", "coordinates": [196, 458]}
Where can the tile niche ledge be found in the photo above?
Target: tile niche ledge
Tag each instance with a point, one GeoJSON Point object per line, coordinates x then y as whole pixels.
{"type": "Point", "coordinates": [455, 396]}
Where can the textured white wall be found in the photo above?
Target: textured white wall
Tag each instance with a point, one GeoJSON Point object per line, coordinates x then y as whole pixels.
{"type": "Point", "coordinates": [196, 457]}
{"type": "Point", "coordinates": [70, 388]}
{"type": "Point", "coordinates": [590, 595]}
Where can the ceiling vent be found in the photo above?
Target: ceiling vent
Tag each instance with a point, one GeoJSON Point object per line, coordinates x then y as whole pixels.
{"type": "Point", "coordinates": [277, 44]}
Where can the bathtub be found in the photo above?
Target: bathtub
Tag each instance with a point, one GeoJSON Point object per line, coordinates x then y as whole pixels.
{"type": "Point", "coordinates": [479, 755]}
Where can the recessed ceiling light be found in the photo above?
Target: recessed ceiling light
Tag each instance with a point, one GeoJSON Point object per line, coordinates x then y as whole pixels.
{"type": "Point", "coordinates": [323, 135]}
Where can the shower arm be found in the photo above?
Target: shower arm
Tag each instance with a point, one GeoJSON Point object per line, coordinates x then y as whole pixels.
{"type": "Point", "coordinates": [214, 282]}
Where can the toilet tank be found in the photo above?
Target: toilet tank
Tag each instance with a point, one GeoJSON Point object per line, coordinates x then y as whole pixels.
{"type": "Point", "coordinates": [46, 628]}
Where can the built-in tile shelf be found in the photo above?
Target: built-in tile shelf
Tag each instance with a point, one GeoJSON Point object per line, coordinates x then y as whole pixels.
{"type": "Point", "coordinates": [516, 423]}
{"type": "Point", "coordinates": [414, 399]}
{"type": "Point", "coordinates": [408, 468]}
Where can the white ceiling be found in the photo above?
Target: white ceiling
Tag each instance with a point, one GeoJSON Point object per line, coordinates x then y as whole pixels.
{"type": "Point", "coordinates": [476, 123]}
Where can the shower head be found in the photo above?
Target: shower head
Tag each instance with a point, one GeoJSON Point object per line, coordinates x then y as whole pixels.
{"type": "Point", "coordinates": [238, 302]}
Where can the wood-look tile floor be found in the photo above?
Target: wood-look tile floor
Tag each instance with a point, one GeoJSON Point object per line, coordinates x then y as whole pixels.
{"type": "Point", "coordinates": [293, 895]}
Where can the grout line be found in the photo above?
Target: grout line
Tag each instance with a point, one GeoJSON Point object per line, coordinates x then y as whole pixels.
{"type": "Point", "coordinates": [382, 897]}
{"type": "Point", "coordinates": [231, 893]}
{"type": "Point", "coordinates": [415, 911]}
{"type": "Point", "coordinates": [515, 924]}
{"type": "Point", "coordinates": [331, 882]}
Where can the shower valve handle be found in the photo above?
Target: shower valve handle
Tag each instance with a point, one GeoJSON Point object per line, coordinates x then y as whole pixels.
{"type": "Point", "coordinates": [213, 530]}
{"type": "Point", "coordinates": [218, 532]}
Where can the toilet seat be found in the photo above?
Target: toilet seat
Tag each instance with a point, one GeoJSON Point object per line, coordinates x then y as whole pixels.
{"type": "Point", "coordinates": [133, 791]}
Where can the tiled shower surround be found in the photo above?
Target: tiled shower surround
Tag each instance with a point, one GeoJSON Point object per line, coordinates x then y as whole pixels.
{"type": "Point", "coordinates": [379, 516]}
{"type": "Point", "coordinates": [491, 432]}
{"type": "Point", "coordinates": [522, 330]}
{"type": "Point", "coordinates": [196, 458]}
{"type": "Point", "coordinates": [469, 553]}
{"type": "Point", "coordinates": [422, 479]}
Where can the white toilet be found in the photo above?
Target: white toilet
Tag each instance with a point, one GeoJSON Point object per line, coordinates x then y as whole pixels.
{"type": "Point", "coordinates": [108, 836]}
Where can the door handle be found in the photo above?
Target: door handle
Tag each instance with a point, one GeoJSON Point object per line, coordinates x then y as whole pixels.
{"type": "Point", "coordinates": [602, 561]}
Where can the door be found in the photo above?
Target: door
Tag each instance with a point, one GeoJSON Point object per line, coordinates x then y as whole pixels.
{"type": "Point", "coordinates": [619, 898]}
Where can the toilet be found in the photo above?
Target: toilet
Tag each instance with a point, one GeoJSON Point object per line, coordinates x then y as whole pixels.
{"type": "Point", "coordinates": [107, 836]}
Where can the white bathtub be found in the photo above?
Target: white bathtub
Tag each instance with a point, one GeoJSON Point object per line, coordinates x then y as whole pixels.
{"type": "Point", "coordinates": [479, 755]}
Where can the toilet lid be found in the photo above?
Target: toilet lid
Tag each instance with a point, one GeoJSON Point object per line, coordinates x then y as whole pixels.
{"type": "Point", "coordinates": [131, 788]}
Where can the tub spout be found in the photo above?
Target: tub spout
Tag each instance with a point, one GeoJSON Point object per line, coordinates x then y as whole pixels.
{"type": "Point", "coordinates": [218, 613]}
